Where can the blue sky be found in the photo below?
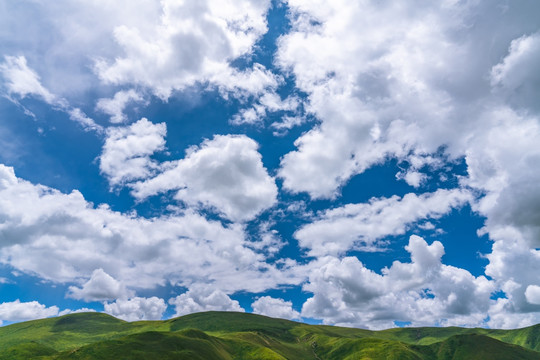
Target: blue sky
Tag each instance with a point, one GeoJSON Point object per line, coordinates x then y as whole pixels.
{"type": "Point", "coordinates": [369, 164]}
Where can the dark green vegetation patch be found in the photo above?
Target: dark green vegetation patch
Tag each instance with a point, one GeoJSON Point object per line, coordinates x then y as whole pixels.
{"type": "Point", "coordinates": [228, 335]}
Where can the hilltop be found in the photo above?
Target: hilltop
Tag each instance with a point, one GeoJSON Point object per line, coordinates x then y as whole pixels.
{"type": "Point", "coordinates": [229, 335]}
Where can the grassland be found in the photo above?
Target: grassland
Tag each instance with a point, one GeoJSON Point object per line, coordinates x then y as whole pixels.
{"type": "Point", "coordinates": [228, 335]}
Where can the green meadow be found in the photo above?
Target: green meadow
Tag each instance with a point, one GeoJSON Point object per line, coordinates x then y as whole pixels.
{"type": "Point", "coordinates": [229, 335]}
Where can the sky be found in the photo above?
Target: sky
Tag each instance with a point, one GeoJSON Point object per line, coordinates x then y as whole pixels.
{"type": "Point", "coordinates": [365, 163]}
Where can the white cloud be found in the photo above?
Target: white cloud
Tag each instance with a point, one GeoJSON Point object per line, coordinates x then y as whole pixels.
{"type": "Point", "coordinates": [78, 311]}
{"type": "Point", "coordinates": [533, 294]}
{"type": "Point", "coordinates": [63, 238]}
{"type": "Point", "coordinates": [268, 240]}
{"type": "Point", "coordinates": [77, 115]}
{"type": "Point", "coordinates": [193, 43]}
{"type": "Point", "coordinates": [22, 311]}
{"type": "Point", "coordinates": [517, 76]}
{"type": "Point", "coordinates": [361, 225]}
{"type": "Point", "coordinates": [115, 106]}
{"type": "Point", "coordinates": [268, 103]}
{"type": "Point", "coordinates": [225, 173]}
{"type": "Point", "coordinates": [413, 178]}
{"type": "Point", "coordinates": [127, 150]}
{"type": "Point", "coordinates": [424, 291]}
{"type": "Point", "coordinates": [22, 80]}
{"type": "Point", "coordinates": [503, 316]}
{"type": "Point", "coordinates": [510, 264]}
{"type": "Point", "coordinates": [137, 308]}
{"type": "Point", "coordinates": [161, 47]}
{"type": "Point", "coordinates": [384, 81]}
{"type": "Point", "coordinates": [255, 82]}
{"type": "Point", "coordinates": [369, 87]}
{"type": "Point", "coordinates": [287, 123]}
{"type": "Point", "coordinates": [101, 286]}
{"type": "Point", "coordinates": [63, 51]}
{"type": "Point", "coordinates": [273, 307]}
{"type": "Point", "coordinates": [203, 298]}
{"type": "Point", "coordinates": [500, 164]}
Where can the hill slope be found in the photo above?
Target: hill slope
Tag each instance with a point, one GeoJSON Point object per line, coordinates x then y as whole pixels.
{"type": "Point", "coordinates": [228, 335]}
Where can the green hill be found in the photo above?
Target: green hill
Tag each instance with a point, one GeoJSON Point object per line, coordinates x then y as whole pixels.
{"type": "Point", "coordinates": [228, 335]}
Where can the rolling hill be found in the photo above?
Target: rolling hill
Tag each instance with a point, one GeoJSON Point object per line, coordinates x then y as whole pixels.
{"type": "Point", "coordinates": [229, 335]}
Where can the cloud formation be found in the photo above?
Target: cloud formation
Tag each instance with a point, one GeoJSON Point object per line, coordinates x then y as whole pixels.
{"type": "Point", "coordinates": [353, 226]}
{"type": "Point", "coordinates": [22, 311]}
{"type": "Point", "coordinates": [225, 173]}
{"type": "Point", "coordinates": [349, 294]}
{"type": "Point", "coordinates": [273, 307]}
{"type": "Point", "coordinates": [388, 82]}
{"type": "Point", "coordinates": [63, 238]}
{"type": "Point", "coordinates": [101, 286]}
{"type": "Point", "coordinates": [387, 90]}
{"type": "Point", "coordinates": [137, 308]}
{"type": "Point", "coordinates": [115, 106]}
{"type": "Point", "coordinates": [127, 151]}
{"type": "Point", "coordinates": [22, 81]}
{"type": "Point", "coordinates": [192, 43]}
{"type": "Point", "coordinates": [203, 298]}
{"type": "Point", "coordinates": [517, 76]}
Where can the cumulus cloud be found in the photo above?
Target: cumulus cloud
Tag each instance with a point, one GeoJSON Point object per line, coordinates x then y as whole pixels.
{"type": "Point", "coordinates": [64, 51]}
{"type": "Point", "coordinates": [500, 164]}
{"type": "Point", "coordinates": [533, 294]}
{"type": "Point", "coordinates": [115, 106]}
{"type": "Point", "coordinates": [63, 238]}
{"type": "Point", "coordinates": [361, 225]}
{"type": "Point", "coordinates": [502, 315]}
{"type": "Point", "coordinates": [225, 173]}
{"type": "Point", "coordinates": [413, 178]}
{"type": "Point", "coordinates": [22, 311]}
{"type": "Point", "coordinates": [383, 90]}
{"type": "Point", "coordinates": [203, 298]}
{"type": "Point", "coordinates": [137, 308]}
{"type": "Point", "coordinates": [509, 265]}
{"type": "Point", "coordinates": [423, 292]}
{"type": "Point", "coordinates": [517, 76]}
{"type": "Point", "coordinates": [192, 43]}
{"type": "Point", "coordinates": [273, 307]}
{"type": "Point", "coordinates": [101, 286]}
{"type": "Point", "coordinates": [368, 87]}
{"type": "Point", "coordinates": [127, 150]}
{"type": "Point", "coordinates": [161, 47]}
{"type": "Point", "coordinates": [383, 83]}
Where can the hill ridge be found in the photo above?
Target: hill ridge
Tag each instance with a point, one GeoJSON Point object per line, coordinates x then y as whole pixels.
{"type": "Point", "coordinates": [229, 335]}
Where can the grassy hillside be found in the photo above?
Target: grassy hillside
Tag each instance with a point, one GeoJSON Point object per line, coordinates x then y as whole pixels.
{"type": "Point", "coordinates": [228, 335]}
{"type": "Point", "coordinates": [479, 347]}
